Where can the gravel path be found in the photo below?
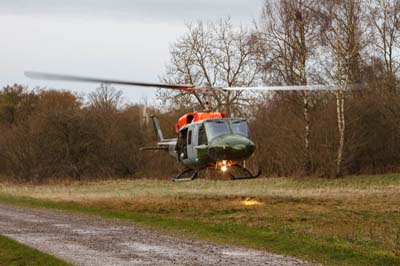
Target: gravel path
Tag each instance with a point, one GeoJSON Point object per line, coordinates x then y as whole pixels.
{"type": "Point", "coordinates": [86, 240]}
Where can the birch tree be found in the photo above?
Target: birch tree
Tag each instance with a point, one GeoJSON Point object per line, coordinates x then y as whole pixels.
{"type": "Point", "coordinates": [342, 34]}
{"type": "Point", "coordinates": [286, 38]}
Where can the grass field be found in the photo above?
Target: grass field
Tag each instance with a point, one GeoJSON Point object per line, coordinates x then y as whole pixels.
{"type": "Point", "coordinates": [14, 254]}
{"type": "Point", "coordinates": [349, 221]}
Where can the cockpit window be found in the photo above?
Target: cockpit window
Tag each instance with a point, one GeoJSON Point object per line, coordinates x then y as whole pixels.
{"type": "Point", "coordinates": [240, 127]}
{"type": "Point", "coordinates": [216, 128]}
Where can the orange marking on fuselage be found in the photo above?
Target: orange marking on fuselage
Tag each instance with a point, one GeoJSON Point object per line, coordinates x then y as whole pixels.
{"type": "Point", "coordinates": [196, 117]}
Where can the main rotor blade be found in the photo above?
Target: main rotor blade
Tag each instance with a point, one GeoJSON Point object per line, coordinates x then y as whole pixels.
{"type": "Point", "coordinates": [51, 76]}
{"type": "Point", "coordinates": [287, 88]}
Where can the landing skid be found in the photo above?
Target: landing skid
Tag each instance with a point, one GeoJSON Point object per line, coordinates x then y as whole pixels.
{"type": "Point", "coordinates": [186, 175]}
{"type": "Point", "coordinates": [246, 173]}
{"type": "Point", "coordinates": [191, 174]}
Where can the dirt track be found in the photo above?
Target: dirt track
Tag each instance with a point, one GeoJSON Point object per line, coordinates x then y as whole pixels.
{"type": "Point", "coordinates": [93, 241]}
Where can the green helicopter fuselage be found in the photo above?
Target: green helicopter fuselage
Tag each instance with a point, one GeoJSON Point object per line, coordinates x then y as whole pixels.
{"type": "Point", "coordinates": [212, 141]}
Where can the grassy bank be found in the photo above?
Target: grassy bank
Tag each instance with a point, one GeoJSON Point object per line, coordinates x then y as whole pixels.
{"type": "Point", "coordinates": [351, 221]}
{"type": "Point", "coordinates": [13, 253]}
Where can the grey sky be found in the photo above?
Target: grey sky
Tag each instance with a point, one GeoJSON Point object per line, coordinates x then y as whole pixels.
{"type": "Point", "coordinates": [125, 39]}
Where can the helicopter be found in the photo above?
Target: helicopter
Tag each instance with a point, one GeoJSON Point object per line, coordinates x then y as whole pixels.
{"type": "Point", "coordinates": [205, 140]}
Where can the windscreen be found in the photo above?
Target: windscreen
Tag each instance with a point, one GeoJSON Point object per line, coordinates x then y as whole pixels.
{"type": "Point", "coordinates": [216, 128]}
{"type": "Point", "coordinates": [240, 127]}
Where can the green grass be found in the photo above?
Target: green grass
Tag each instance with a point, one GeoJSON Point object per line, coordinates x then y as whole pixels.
{"type": "Point", "coordinates": [13, 253]}
{"type": "Point", "coordinates": [350, 221]}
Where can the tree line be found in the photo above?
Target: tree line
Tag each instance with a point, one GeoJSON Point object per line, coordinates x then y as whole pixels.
{"type": "Point", "coordinates": [48, 134]}
{"type": "Point", "coordinates": [56, 134]}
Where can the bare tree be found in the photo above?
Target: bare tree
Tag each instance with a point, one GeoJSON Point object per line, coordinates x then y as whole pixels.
{"type": "Point", "coordinates": [342, 22]}
{"type": "Point", "coordinates": [286, 41]}
{"type": "Point", "coordinates": [216, 55]}
{"type": "Point", "coordinates": [106, 98]}
{"type": "Point", "coordinates": [384, 15]}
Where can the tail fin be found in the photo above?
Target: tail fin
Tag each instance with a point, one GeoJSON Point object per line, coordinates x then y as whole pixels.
{"type": "Point", "coordinates": [157, 128]}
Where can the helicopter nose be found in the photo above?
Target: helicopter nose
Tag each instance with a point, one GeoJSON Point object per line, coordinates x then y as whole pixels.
{"type": "Point", "coordinates": [231, 147]}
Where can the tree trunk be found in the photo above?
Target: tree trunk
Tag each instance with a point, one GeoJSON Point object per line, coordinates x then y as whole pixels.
{"type": "Point", "coordinates": [341, 130]}
{"type": "Point", "coordinates": [307, 153]}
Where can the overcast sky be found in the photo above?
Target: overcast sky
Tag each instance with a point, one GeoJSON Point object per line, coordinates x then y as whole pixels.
{"type": "Point", "coordinates": [124, 39]}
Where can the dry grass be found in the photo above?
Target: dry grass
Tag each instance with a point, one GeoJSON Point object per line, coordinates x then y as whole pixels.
{"type": "Point", "coordinates": [362, 213]}
{"type": "Point", "coordinates": [349, 188]}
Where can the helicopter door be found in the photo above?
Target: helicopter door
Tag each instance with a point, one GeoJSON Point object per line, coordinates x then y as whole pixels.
{"type": "Point", "coordinates": [190, 143]}
{"type": "Point", "coordinates": [195, 141]}
{"type": "Point", "coordinates": [181, 145]}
